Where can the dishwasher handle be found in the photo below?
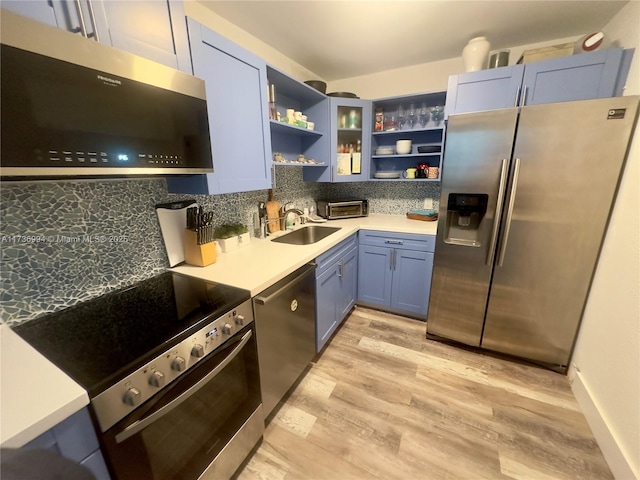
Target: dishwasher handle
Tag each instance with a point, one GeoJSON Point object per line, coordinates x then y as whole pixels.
{"type": "Point", "coordinates": [287, 284]}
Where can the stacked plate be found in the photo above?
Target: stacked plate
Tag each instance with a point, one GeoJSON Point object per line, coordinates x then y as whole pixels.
{"type": "Point", "coordinates": [384, 151]}
{"type": "Point", "coordinates": [386, 175]}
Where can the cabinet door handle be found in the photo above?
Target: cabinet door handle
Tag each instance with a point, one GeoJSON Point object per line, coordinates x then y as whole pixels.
{"type": "Point", "coordinates": [341, 268]}
{"type": "Point", "coordinates": [517, 102]}
{"type": "Point", "coordinates": [523, 101]}
{"type": "Point", "coordinates": [92, 17]}
{"type": "Point", "coordinates": [394, 242]}
{"type": "Point", "coordinates": [83, 26]}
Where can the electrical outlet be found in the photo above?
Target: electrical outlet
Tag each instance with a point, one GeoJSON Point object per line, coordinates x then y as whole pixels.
{"type": "Point", "coordinates": [428, 204]}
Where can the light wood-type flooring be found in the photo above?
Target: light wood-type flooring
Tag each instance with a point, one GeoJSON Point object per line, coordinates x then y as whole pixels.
{"type": "Point", "coordinates": [382, 402]}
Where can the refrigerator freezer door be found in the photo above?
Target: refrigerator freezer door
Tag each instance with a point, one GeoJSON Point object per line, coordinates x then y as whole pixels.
{"type": "Point", "coordinates": [476, 159]}
{"type": "Point", "coordinates": [569, 157]}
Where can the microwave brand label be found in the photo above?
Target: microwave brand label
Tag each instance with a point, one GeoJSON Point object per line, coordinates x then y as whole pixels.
{"type": "Point", "coordinates": [616, 113]}
{"type": "Point", "coordinates": [109, 81]}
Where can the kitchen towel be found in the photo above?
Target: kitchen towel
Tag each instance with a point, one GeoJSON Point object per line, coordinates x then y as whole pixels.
{"type": "Point", "coordinates": [173, 222]}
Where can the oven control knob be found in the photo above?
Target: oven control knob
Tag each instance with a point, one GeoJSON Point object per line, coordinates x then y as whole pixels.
{"type": "Point", "coordinates": [227, 329]}
{"type": "Point", "coordinates": [132, 397]}
{"type": "Point", "coordinates": [178, 364]}
{"type": "Point", "coordinates": [157, 379]}
{"type": "Point", "coordinates": [197, 350]}
{"type": "Point", "coordinates": [239, 319]}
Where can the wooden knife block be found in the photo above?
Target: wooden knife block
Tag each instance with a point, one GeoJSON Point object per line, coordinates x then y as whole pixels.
{"type": "Point", "coordinates": [198, 255]}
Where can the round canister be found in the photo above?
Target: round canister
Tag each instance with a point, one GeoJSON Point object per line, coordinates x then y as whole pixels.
{"type": "Point", "coordinates": [499, 59]}
{"type": "Point", "coordinates": [434, 172]}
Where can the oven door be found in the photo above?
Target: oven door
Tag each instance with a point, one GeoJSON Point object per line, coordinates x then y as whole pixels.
{"type": "Point", "coordinates": [213, 413]}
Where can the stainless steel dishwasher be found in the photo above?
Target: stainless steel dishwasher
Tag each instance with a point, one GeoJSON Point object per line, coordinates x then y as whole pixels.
{"type": "Point", "coordinates": [285, 319]}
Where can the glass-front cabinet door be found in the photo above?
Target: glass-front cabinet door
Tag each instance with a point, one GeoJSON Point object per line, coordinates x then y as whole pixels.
{"type": "Point", "coordinates": [350, 139]}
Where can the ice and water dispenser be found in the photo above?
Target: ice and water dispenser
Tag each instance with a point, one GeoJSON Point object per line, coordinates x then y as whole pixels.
{"type": "Point", "coordinates": [464, 215]}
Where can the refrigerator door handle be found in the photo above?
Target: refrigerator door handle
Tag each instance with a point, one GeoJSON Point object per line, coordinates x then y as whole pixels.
{"type": "Point", "coordinates": [507, 226]}
{"type": "Point", "coordinates": [498, 216]}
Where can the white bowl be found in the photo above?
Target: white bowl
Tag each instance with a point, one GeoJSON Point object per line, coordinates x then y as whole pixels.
{"type": "Point", "coordinates": [403, 147]}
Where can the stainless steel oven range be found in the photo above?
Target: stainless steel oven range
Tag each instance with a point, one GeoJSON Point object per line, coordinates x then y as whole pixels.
{"type": "Point", "coordinates": [171, 368]}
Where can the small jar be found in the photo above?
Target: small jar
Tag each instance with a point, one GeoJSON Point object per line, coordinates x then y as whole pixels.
{"type": "Point", "coordinates": [389, 123]}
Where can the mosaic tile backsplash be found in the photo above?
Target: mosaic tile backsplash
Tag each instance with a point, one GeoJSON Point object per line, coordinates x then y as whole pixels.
{"type": "Point", "coordinates": [67, 242]}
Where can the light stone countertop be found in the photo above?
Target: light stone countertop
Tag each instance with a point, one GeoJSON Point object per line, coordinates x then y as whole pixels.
{"type": "Point", "coordinates": [263, 262]}
{"type": "Point", "coordinates": [35, 395]}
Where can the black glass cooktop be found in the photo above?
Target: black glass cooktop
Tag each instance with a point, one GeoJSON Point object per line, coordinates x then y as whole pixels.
{"type": "Point", "coordinates": [100, 341]}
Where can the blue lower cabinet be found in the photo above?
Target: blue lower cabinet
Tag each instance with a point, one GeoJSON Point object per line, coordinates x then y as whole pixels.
{"type": "Point", "coordinates": [336, 288]}
{"type": "Point", "coordinates": [411, 281]}
{"type": "Point", "coordinates": [96, 465]}
{"type": "Point", "coordinates": [76, 440]}
{"type": "Point", "coordinates": [395, 277]}
{"type": "Point", "coordinates": [348, 284]}
{"type": "Point", "coordinates": [375, 275]}
{"type": "Point", "coordinates": [326, 307]}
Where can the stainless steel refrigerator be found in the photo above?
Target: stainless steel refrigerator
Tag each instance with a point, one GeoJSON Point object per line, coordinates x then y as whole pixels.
{"type": "Point", "coordinates": [525, 202]}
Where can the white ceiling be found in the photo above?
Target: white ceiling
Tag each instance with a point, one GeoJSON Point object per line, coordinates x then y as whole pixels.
{"type": "Point", "coordinates": [341, 39]}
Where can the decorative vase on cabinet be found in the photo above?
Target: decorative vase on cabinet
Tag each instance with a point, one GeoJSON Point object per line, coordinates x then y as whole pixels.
{"type": "Point", "coordinates": [475, 54]}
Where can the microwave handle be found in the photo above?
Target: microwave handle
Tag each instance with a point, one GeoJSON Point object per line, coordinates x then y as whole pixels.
{"type": "Point", "coordinates": [137, 426]}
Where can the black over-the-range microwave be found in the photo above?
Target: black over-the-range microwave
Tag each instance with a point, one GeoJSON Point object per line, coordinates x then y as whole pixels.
{"type": "Point", "coordinates": [74, 107]}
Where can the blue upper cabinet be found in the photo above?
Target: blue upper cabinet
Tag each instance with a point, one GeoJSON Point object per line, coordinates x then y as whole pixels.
{"type": "Point", "coordinates": [418, 118]}
{"type": "Point", "coordinates": [236, 87]}
{"type": "Point", "coordinates": [349, 143]}
{"type": "Point", "coordinates": [152, 29]}
{"type": "Point", "coordinates": [291, 138]}
{"type": "Point", "coordinates": [484, 90]}
{"type": "Point", "coordinates": [577, 77]}
{"type": "Point", "coordinates": [39, 10]}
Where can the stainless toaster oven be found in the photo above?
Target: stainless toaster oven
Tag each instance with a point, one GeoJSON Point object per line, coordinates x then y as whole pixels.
{"type": "Point", "coordinates": [335, 209]}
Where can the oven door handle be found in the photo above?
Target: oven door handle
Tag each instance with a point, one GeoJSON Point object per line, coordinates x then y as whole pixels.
{"type": "Point", "coordinates": [138, 425]}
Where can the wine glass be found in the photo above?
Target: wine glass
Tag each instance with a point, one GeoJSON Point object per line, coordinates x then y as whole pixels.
{"type": "Point", "coordinates": [401, 118]}
{"type": "Point", "coordinates": [437, 114]}
{"type": "Point", "coordinates": [423, 116]}
{"type": "Point", "coordinates": [412, 115]}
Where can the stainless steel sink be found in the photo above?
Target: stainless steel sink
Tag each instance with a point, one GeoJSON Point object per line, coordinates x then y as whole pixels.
{"type": "Point", "coordinates": [306, 235]}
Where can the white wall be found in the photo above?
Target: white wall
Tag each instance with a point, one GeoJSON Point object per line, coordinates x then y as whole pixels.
{"type": "Point", "coordinates": [427, 77]}
{"type": "Point", "coordinates": [215, 22]}
{"type": "Point", "coordinates": [606, 362]}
